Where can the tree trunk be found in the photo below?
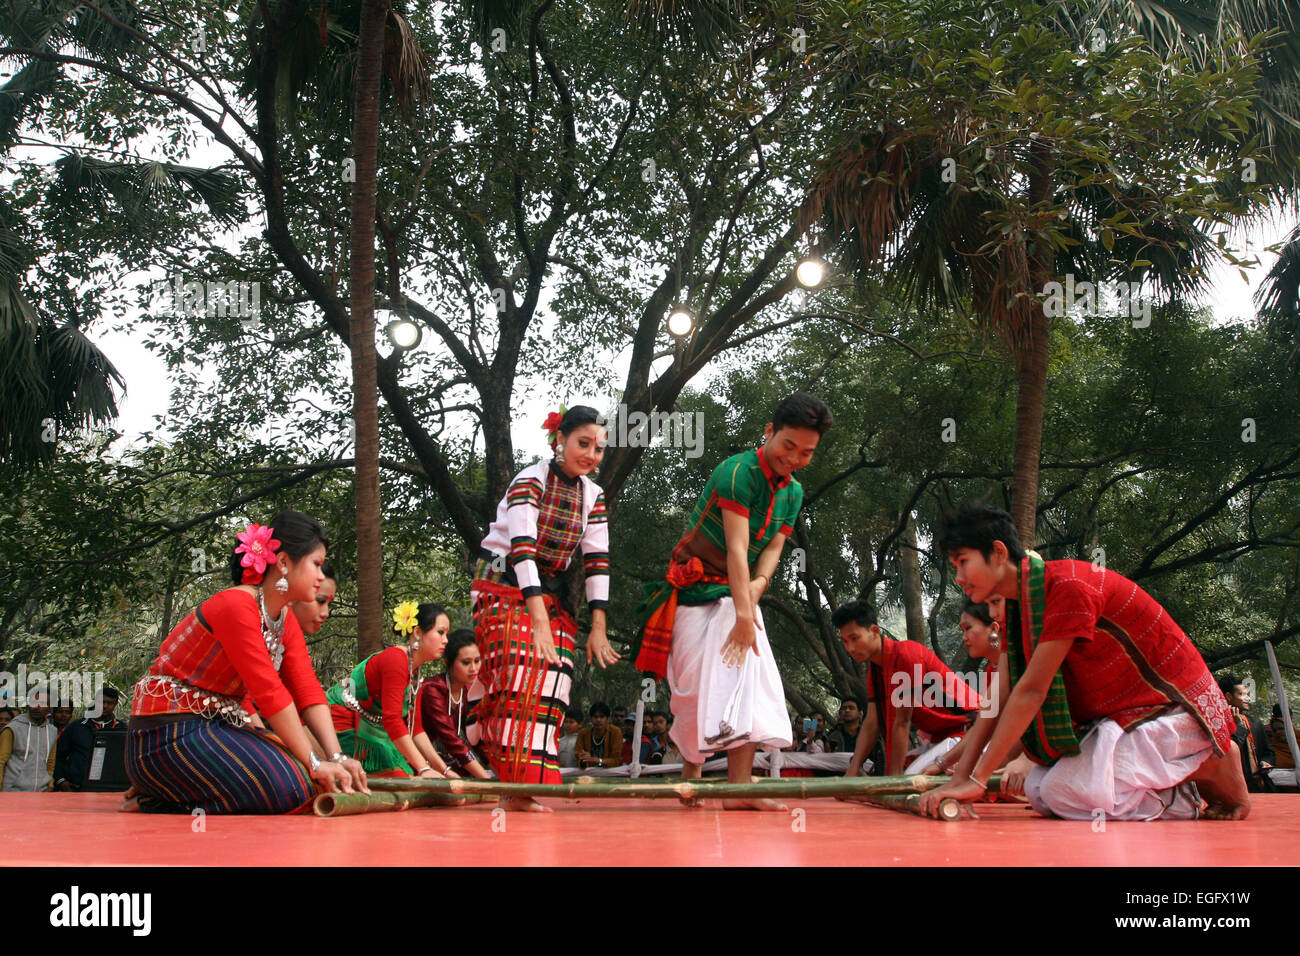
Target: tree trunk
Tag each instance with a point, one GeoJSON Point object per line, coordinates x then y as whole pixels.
{"type": "Point", "coordinates": [911, 569]}
{"type": "Point", "coordinates": [365, 399]}
{"type": "Point", "coordinates": [1033, 328]}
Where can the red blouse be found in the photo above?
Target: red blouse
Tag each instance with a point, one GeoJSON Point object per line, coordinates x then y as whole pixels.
{"type": "Point", "coordinates": [387, 674]}
{"type": "Point", "coordinates": [219, 648]}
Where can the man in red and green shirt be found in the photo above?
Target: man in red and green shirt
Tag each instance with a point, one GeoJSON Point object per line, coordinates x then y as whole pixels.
{"type": "Point", "coordinates": [704, 619]}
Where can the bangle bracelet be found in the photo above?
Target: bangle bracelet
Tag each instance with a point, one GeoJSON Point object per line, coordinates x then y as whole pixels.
{"type": "Point", "coordinates": [338, 756]}
{"type": "Point", "coordinates": [313, 761]}
{"type": "Point", "coordinates": [423, 769]}
{"type": "Point", "coordinates": [976, 780]}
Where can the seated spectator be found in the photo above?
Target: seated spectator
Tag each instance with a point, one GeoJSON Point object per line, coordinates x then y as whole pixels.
{"type": "Point", "coordinates": [599, 745]}
{"type": "Point", "coordinates": [1282, 758]}
{"type": "Point", "coordinates": [61, 716]}
{"type": "Point", "coordinates": [671, 753]}
{"type": "Point", "coordinates": [844, 735]}
{"type": "Point", "coordinates": [1252, 739]}
{"type": "Point", "coordinates": [27, 748]}
{"type": "Point", "coordinates": [813, 734]}
{"type": "Point", "coordinates": [7, 714]}
{"type": "Point", "coordinates": [629, 730]}
{"type": "Point", "coordinates": [78, 740]}
{"type": "Point", "coordinates": [655, 737]}
{"type": "Point", "coordinates": [569, 729]}
{"type": "Point", "coordinates": [619, 716]}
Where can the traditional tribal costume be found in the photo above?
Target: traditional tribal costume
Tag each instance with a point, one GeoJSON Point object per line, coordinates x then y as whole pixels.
{"type": "Point", "coordinates": [373, 707]}
{"type": "Point", "coordinates": [545, 517]}
{"type": "Point", "coordinates": [909, 674]}
{"type": "Point", "coordinates": [715, 707]}
{"type": "Point", "coordinates": [189, 745]}
{"type": "Point", "coordinates": [452, 723]}
{"type": "Point", "coordinates": [1133, 688]}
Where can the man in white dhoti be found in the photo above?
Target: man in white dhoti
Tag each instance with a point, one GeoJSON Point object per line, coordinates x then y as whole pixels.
{"type": "Point", "coordinates": [705, 632]}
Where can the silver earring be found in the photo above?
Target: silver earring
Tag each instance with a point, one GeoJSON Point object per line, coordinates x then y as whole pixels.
{"type": "Point", "coordinates": [282, 585]}
{"type": "Point", "coordinates": [559, 454]}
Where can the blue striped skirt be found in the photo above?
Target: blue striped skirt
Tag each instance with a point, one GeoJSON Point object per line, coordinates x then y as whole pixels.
{"type": "Point", "coordinates": [204, 764]}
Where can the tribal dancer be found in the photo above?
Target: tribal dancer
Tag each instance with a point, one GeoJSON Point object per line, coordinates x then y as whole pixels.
{"type": "Point", "coordinates": [525, 633]}
{"type": "Point", "coordinates": [982, 629]}
{"type": "Point", "coordinates": [910, 687]}
{"type": "Point", "coordinates": [374, 708]}
{"type": "Point", "coordinates": [704, 619]}
{"type": "Point", "coordinates": [191, 744]}
{"type": "Point", "coordinates": [1109, 697]}
{"type": "Point", "coordinates": [449, 705]}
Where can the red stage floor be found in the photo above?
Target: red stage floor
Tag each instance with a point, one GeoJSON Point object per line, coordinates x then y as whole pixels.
{"type": "Point", "coordinates": [85, 829]}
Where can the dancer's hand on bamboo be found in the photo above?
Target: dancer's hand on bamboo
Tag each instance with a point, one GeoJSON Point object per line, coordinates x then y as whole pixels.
{"type": "Point", "coordinates": [333, 777]}
{"type": "Point", "coordinates": [742, 638]}
{"type": "Point", "coordinates": [543, 641]}
{"type": "Point", "coordinates": [599, 649]}
{"type": "Point", "coordinates": [358, 773]}
{"type": "Point", "coordinates": [966, 792]}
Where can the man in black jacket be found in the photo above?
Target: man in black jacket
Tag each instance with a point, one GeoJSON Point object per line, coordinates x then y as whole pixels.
{"type": "Point", "coordinates": [72, 758]}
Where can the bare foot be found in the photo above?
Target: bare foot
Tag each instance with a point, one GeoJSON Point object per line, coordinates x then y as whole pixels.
{"type": "Point", "coordinates": [131, 804]}
{"type": "Point", "coordinates": [1223, 785]}
{"type": "Point", "coordinates": [693, 803]}
{"type": "Point", "coordinates": [761, 803]}
{"type": "Point", "coordinates": [523, 805]}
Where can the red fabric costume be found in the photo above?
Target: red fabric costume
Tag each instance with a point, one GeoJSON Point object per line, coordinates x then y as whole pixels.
{"type": "Point", "coordinates": [219, 648]}
{"type": "Point", "coordinates": [1129, 661]}
{"type": "Point", "coordinates": [909, 674]}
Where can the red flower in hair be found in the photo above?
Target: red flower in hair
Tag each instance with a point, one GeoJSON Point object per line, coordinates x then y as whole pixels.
{"type": "Point", "coordinates": [258, 549]}
{"type": "Point", "coordinates": [552, 422]}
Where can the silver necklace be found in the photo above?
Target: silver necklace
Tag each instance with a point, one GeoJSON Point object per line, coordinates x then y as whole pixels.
{"type": "Point", "coordinates": [273, 631]}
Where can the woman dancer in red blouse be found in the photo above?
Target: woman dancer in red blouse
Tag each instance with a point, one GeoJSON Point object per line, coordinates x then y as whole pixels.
{"type": "Point", "coordinates": [374, 708]}
{"type": "Point", "coordinates": [191, 744]}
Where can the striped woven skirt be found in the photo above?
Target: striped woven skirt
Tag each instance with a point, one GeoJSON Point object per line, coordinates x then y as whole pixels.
{"type": "Point", "coordinates": [526, 698]}
{"type": "Point", "coordinates": [205, 764]}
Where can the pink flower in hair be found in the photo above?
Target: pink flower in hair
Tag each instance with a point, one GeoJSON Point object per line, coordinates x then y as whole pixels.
{"type": "Point", "coordinates": [258, 549]}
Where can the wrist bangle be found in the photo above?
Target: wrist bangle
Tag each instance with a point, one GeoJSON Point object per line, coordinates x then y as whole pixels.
{"type": "Point", "coordinates": [976, 780]}
{"type": "Point", "coordinates": [338, 756]}
{"type": "Point", "coordinates": [423, 769]}
{"type": "Point", "coordinates": [313, 761]}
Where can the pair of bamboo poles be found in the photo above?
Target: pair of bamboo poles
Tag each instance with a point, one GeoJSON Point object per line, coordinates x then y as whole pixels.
{"type": "Point", "coordinates": [894, 793]}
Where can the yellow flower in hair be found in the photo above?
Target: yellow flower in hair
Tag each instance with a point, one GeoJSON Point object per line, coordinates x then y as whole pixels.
{"type": "Point", "coordinates": [404, 617]}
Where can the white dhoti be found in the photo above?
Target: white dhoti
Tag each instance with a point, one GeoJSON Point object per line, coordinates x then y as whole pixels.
{"type": "Point", "coordinates": [716, 707]}
{"type": "Point", "coordinates": [1139, 775]}
{"type": "Point", "coordinates": [932, 752]}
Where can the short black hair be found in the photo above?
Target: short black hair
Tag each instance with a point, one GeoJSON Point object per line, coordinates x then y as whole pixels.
{"type": "Point", "coordinates": [855, 612]}
{"type": "Point", "coordinates": [802, 410]}
{"type": "Point", "coordinates": [600, 709]}
{"type": "Point", "coordinates": [110, 693]}
{"type": "Point", "coordinates": [977, 524]}
{"type": "Point", "coordinates": [855, 699]}
{"type": "Point", "coordinates": [1228, 683]}
{"type": "Point", "coordinates": [574, 713]}
{"type": "Point", "coordinates": [978, 611]}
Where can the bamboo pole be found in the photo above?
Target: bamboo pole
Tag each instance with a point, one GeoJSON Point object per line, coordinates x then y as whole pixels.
{"type": "Point", "coordinates": [949, 809]}
{"type": "Point", "coordinates": [347, 804]}
{"type": "Point", "coordinates": [795, 788]}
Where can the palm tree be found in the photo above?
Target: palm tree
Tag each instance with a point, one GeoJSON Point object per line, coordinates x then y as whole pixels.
{"type": "Point", "coordinates": [979, 187]}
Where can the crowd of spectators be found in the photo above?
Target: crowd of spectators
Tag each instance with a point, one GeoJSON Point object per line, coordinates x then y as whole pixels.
{"type": "Point", "coordinates": [42, 748]}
